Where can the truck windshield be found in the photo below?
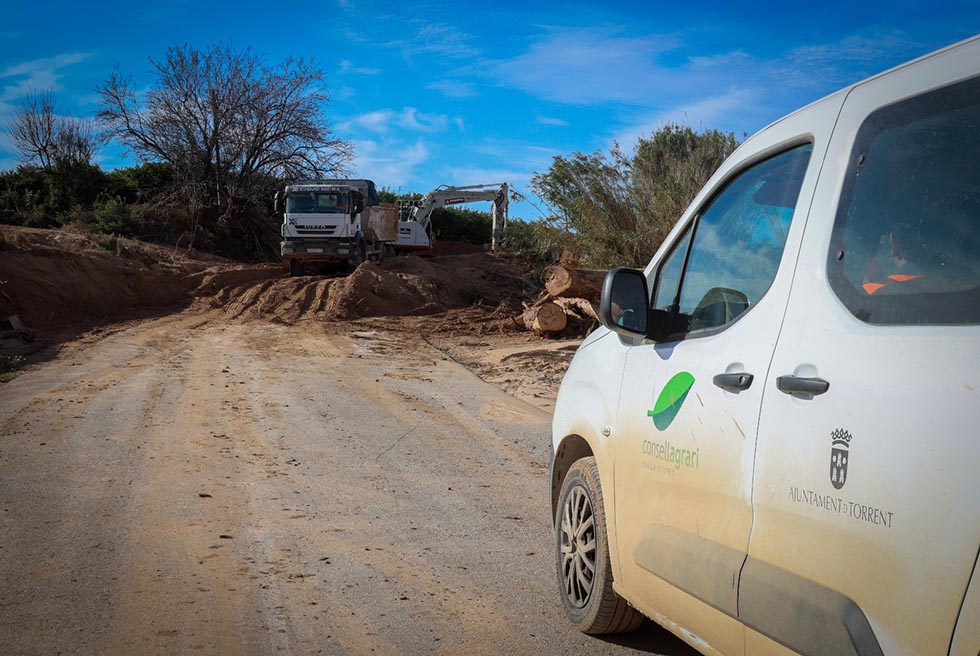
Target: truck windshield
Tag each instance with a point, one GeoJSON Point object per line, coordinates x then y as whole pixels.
{"type": "Point", "coordinates": [313, 202]}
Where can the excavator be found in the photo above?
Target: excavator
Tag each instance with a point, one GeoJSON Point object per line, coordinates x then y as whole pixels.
{"type": "Point", "coordinates": [414, 231]}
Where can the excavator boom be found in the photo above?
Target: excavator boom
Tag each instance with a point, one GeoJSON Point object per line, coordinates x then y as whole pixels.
{"type": "Point", "coordinates": [446, 195]}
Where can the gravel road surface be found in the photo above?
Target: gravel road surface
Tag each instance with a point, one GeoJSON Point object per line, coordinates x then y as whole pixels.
{"type": "Point", "coordinates": [193, 485]}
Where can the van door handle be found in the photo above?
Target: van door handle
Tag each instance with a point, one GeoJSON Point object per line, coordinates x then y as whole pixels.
{"type": "Point", "coordinates": [800, 385]}
{"type": "Point", "coordinates": [733, 382]}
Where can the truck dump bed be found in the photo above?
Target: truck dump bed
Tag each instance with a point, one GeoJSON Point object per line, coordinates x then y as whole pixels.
{"type": "Point", "coordinates": [382, 222]}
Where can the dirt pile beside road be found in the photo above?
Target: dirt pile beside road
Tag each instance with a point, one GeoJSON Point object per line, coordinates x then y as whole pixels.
{"type": "Point", "coordinates": [53, 279]}
{"type": "Point", "coordinates": [396, 287]}
{"type": "Point", "coordinates": [61, 284]}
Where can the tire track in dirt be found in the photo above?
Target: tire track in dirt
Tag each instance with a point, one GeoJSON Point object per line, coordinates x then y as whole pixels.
{"type": "Point", "coordinates": [376, 497]}
{"type": "Point", "coordinates": [376, 562]}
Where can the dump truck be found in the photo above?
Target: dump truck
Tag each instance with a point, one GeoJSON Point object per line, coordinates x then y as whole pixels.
{"type": "Point", "coordinates": [328, 222]}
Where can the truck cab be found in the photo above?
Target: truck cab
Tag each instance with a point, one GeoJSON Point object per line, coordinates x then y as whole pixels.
{"type": "Point", "coordinates": [322, 221]}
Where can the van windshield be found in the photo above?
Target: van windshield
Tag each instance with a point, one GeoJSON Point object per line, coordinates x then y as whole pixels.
{"type": "Point", "coordinates": [314, 202]}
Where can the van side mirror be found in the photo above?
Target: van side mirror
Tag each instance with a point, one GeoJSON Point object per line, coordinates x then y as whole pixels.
{"type": "Point", "coordinates": [624, 306]}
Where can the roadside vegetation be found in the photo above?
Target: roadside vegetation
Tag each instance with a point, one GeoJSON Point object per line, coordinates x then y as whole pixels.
{"type": "Point", "coordinates": [616, 208]}
{"type": "Point", "coordinates": [215, 134]}
{"type": "Point", "coordinates": [219, 131]}
{"type": "Point", "coordinates": [9, 364]}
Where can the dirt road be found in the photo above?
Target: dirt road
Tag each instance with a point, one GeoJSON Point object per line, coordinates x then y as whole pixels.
{"type": "Point", "coordinates": [192, 485]}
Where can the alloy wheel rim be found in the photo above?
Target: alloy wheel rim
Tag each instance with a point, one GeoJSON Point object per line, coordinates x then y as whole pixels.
{"type": "Point", "coordinates": [578, 547]}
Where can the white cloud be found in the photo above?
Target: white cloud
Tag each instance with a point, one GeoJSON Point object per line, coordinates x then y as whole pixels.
{"type": "Point", "coordinates": [599, 65]}
{"type": "Point", "coordinates": [550, 120]}
{"type": "Point", "coordinates": [37, 75]}
{"type": "Point", "coordinates": [441, 39]}
{"type": "Point", "coordinates": [389, 162]}
{"type": "Point", "coordinates": [453, 88]}
{"type": "Point", "coordinates": [843, 62]}
{"type": "Point", "coordinates": [343, 93]}
{"type": "Point", "coordinates": [377, 121]}
{"type": "Point", "coordinates": [347, 67]}
{"type": "Point", "coordinates": [412, 119]}
{"type": "Point", "coordinates": [409, 118]}
{"type": "Point", "coordinates": [724, 111]}
{"type": "Point", "coordinates": [586, 66]}
{"type": "Point", "coordinates": [651, 80]}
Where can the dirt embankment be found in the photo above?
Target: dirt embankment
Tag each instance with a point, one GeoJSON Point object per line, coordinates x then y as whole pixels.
{"type": "Point", "coordinates": [55, 280]}
{"type": "Point", "coordinates": [396, 287]}
{"type": "Point", "coordinates": [62, 284]}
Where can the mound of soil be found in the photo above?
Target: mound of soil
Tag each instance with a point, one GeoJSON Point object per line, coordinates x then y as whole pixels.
{"type": "Point", "coordinates": [59, 282]}
{"type": "Point", "coordinates": [54, 278]}
{"type": "Point", "coordinates": [396, 287]}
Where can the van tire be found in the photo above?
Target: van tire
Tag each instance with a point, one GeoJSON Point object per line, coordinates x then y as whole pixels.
{"type": "Point", "coordinates": [599, 609]}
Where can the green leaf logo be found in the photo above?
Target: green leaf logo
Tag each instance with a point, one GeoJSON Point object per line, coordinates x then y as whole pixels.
{"type": "Point", "coordinates": [671, 399]}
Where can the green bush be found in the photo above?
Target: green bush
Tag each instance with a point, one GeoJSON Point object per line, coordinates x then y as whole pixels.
{"type": "Point", "coordinates": [144, 183]}
{"type": "Point", "coordinates": [532, 240]}
{"type": "Point", "coordinates": [9, 364]}
{"type": "Point", "coordinates": [616, 209]}
{"type": "Point", "coordinates": [111, 215]}
{"type": "Point", "coordinates": [461, 224]}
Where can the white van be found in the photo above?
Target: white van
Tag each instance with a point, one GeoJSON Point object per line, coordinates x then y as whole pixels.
{"type": "Point", "coordinates": [772, 445]}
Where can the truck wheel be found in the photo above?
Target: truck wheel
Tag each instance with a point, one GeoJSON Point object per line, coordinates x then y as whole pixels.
{"type": "Point", "coordinates": [358, 255]}
{"type": "Point", "coordinates": [389, 250]}
{"type": "Point", "coordinates": [295, 267]}
{"type": "Point", "coordinates": [582, 557]}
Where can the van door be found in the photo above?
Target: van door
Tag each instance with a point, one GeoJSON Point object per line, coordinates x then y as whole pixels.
{"type": "Point", "coordinates": [867, 522]}
{"type": "Point", "coordinates": [690, 404]}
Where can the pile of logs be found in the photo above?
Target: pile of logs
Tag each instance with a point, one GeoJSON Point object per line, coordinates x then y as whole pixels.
{"type": "Point", "coordinates": [569, 304]}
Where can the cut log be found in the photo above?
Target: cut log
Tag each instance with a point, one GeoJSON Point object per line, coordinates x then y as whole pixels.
{"type": "Point", "coordinates": [583, 307]}
{"type": "Point", "coordinates": [545, 319]}
{"type": "Point", "coordinates": [574, 283]}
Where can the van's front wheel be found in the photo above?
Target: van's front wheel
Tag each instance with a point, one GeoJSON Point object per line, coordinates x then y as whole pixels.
{"type": "Point", "coordinates": [582, 556]}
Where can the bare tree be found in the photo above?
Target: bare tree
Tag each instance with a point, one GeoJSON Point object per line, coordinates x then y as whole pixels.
{"type": "Point", "coordinates": [33, 128]}
{"type": "Point", "coordinates": [49, 140]}
{"type": "Point", "coordinates": [227, 123]}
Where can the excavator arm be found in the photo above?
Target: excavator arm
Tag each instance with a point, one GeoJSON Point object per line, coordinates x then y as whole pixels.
{"type": "Point", "coordinates": [446, 195]}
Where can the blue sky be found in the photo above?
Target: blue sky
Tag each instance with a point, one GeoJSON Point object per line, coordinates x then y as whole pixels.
{"type": "Point", "coordinates": [437, 93]}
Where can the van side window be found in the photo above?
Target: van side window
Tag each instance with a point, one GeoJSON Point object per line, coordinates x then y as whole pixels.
{"type": "Point", "coordinates": [736, 246]}
{"type": "Point", "coordinates": [669, 276]}
{"type": "Point", "coordinates": [906, 240]}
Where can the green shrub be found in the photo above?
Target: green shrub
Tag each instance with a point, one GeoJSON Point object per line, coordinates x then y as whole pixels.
{"type": "Point", "coordinates": [111, 215]}
{"type": "Point", "coordinates": [9, 364]}
{"type": "Point", "coordinates": [615, 208]}
{"type": "Point", "coordinates": [532, 240]}
{"type": "Point", "coordinates": [461, 224]}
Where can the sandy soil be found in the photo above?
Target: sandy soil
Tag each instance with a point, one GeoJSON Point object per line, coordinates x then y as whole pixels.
{"type": "Point", "coordinates": [192, 484]}
{"type": "Point", "coordinates": [263, 464]}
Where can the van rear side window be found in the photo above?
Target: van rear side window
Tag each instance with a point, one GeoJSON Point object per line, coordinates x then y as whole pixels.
{"type": "Point", "coordinates": [906, 241]}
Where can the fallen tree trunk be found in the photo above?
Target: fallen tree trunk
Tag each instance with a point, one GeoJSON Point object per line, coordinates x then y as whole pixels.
{"type": "Point", "coordinates": [574, 283]}
{"type": "Point", "coordinates": [545, 319]}
{"type": "Point", "coordinates": [581, 306]}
